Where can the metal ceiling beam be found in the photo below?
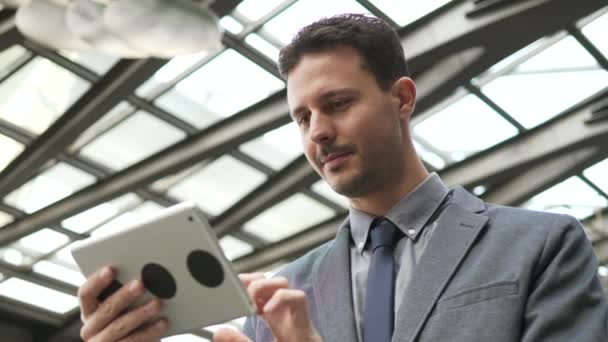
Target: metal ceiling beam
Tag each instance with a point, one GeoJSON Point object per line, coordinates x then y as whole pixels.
{"type": "Point", "coordinates": [291, 247]}
{"type": "Point", "coordinates": [209, 143]}
{"type": "Point", "coordinates": [450, 48]}
{"type": "Point", "coordinates": [9, 35]}
{"type": "Point", "coordinates": [563, 134]}
{"type": "Point", "coordinates": [544, 175]}
{"type": "Point", "coordinates": [298, 174]}
{"type": "Point", "coordinates": [119, 82]}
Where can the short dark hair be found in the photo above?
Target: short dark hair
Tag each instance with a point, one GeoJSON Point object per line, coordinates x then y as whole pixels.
{"type": "Point", "coordinates": [376, 41]}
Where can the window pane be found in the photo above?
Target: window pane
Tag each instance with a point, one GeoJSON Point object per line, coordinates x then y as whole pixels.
{"type": "Point", "coordinates": [5, 218]}
{"type": "Point", "coordinates": [131, 217]}
{"type": "Point", "coordinates": [15, 256]}
{"type": "Point", "coordinates": [321, 187]}
{"type": "Point", "coordinates": [50, 186]}
{"type": "Point", "coordinates": [598, 174]}
{"type": "Point", "coordinates": [106, 122]}
{"type": "Point", "coordinates": [234, 248]}
{"type": "Point", "coordinates": [37, 295]}
{"type": "Point", "coordinates": [98, 62]}
{"type": "Point", "coordinates": [263, 46]}
{"type": "Point", "coordinates": [477, 125]}
{"type": "Point", "coordinates": [10, 56]}
{"type": "Point", "coordinates": [59, 272]}
{"type": "Point", "coordinates": [534, 91]}
{"type": "Point", "coordinates": [88, 219]}
{"type": "Point", "coordinates": [184, 338]}
{"type": "Point", "coordinates": [276, 148]}
{"type": "Point", "coordinates": [43, 241]}
{"type": "Point", "coordinates": [133, 140]}
{"type": "Point", "coordinates": [170, 71]}
{"type": "Point", "coordinates": [285, 25]}
{"type": "Point", "coordinates": [64, 257]}
{"type": "Point", "coordinates": [255, 9]}
{"type": "Point", "coordinates": [571, 196]}
{"type": "Point", "coordinates": [405, 12]}
{"type": "Point", "coordinates": [36, 95]}
{"type": "Point", "coordinates": [10, 149]}
{"type": "Point", "coordinates": [291, 216]}
{"type": "Point", "coordinates": [219, 185]}
{"type": "Point", "coordinates": [227, 84]}
{"type": "Point", "coordinates": [429, 156]}
{"type": "Point", "coordinates": [231, 24]}
{"type": "Point", "coordinates": [596, 32]}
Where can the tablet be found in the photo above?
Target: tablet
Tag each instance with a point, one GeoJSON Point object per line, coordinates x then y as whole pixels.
{"type": "Point", "coordinates": [176, 254]}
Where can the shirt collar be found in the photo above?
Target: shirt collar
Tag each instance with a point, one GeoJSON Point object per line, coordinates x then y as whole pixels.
{"type": "Point", "coordinates": [410, 214]}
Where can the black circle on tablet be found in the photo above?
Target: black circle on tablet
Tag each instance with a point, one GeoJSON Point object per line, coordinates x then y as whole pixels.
{"type": "Point", "coordinates": [158, 280]}
{"type": "Point", "coordinates": [205, 268]}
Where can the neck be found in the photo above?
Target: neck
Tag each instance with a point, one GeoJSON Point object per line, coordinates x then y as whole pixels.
{"type": "Point", "coordinates": [380, 201]}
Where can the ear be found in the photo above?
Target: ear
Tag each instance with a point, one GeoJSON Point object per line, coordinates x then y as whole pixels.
{"type": "Point", "coordinates": [404, 93]}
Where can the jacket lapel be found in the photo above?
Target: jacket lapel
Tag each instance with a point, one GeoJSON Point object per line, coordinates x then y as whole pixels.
{"type": "Point", "coordinates": [332, 290]}
{"type": "Point", "coordinates": [457, 229]}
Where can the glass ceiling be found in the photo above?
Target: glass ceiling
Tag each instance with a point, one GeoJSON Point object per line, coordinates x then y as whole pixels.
{"type": "Point", "coordinates": [198, 92]}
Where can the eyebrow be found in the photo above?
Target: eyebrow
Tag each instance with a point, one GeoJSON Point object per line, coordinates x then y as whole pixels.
{"type": "Point", "coordinates": [326, 95]}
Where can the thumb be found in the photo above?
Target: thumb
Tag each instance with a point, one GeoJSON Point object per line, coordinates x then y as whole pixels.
{"type": "Point", "coordinates": [229, 335]}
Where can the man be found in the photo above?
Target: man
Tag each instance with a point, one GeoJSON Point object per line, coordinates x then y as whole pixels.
{"type": "Point", "coordinates": [414, 261]}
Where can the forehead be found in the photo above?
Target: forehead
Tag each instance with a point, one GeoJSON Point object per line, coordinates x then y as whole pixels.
{"type": "Point", "coordinates": [320, 72]}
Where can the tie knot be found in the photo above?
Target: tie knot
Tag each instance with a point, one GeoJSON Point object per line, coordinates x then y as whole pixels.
{"type": "Point", "coordinates": [384, 234]}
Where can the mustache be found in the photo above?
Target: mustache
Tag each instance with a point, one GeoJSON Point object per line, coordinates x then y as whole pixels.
{"type": "Point", "coordinates": [324, 151]}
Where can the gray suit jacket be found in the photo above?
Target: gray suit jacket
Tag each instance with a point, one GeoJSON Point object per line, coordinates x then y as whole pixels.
{"type": "Point", "coordinates": [489, 273]}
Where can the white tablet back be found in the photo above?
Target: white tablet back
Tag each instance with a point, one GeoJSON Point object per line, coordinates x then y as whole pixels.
{"type": "Point", "coordinates": [176, 254]}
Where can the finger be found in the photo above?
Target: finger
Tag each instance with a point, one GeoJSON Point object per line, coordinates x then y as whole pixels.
{"type": "Point", "coordinates": [88, 292]}
{"type": "Point", "coordinates": [229, 335]}
{"type": "Point", "coordinates": [293, 299]}
{"type": "Point", "coordinates": [131, 321]}
{"type": "Point", "coordinates": [111, 308]}
{"type": "Point", "coordinates": [248, 278]}
{"type": "Point", "coordinates": [261, 290]}
{"type": "Point", "coordinates": [150, 332]}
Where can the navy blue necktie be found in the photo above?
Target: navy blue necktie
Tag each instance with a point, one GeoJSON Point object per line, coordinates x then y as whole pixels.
{"type": "Point", "coordinates": [378, 315]}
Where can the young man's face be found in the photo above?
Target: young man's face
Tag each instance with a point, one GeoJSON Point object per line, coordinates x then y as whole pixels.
{"type": "Point", "coordinates": [352, 131]}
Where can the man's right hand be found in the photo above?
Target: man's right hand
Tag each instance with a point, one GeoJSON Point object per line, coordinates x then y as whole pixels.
{"type": "Point", "coordinates": [110, 320]}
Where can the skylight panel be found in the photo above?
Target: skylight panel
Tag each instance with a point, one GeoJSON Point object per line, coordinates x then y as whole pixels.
{"type": "Point", "coordinates": [596, 32]}
{"type": "Point", "coordinates": [86, 220]}
{"type": "Point", "coordinates": [98, 62]}
{"type": "Point", "coordinates": [219, 185]}
{"type": "Point", "coordinates": [287, 218]}
{"type": "Point", "coordinates": [276, 148]}
{"type": "Point", "coordinates": [10, 149]}
{"type": "Point", "coordinates": [285, 25]}
{"type": "Point", "coordinates": [128, 218]}
{"type": "Point", "coordinates": [36, 95]}
{"type": "Point", "coordinates": [254, 10]}
{"type": "Point", "coordinates": [10, 57]}
{"type": "Point", "coordinates": [55, 183]}
{"type": "Point", "coordinates": [572, 196]}
{"type": "Point", "coordinates": [184, 338]}
{"type": "Point", "coordinates": [170, 71]}
{"type": "Point", "coordinates": [134, 139]}
{"type": "Point", "coordinates": [475, 124]}
{"type": "Point", "coordinates": [263, 46]}
{"type": "Point", "coordinates": [598, 174]}
{"type": "Point", "coordinates": [59, 272]}
{"type": "Point", "coordinates": [234, 248]}
{"type": "Point", "coordinates": [43, 241]}
{"type": "Point", "coordinates": [408, 11]}
{"type": "Point", "coordinates": [534, 92]}
{"type": "Point", "coordinates": [5, 218]}
{"type": "Point", "coordinates": [37, 295]}
{"type": "Point", "coordinates": [226, 85]}
{"type": "Point", "coordinates": [322, 188]}
{"type": "Point", "coordinates": [231, 25]}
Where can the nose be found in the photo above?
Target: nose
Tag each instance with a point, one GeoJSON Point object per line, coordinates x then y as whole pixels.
{"type": "Point", "coordinates": [321, 129]}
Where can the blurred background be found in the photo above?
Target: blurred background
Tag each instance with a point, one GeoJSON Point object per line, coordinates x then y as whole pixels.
{"type": "Point", "coordinates": [111, 110]}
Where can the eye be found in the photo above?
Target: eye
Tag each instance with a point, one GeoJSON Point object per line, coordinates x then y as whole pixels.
{"type": "Point", "coordinates": [303, 119]}
{"type": "Point", "coordinates": [339, 104]}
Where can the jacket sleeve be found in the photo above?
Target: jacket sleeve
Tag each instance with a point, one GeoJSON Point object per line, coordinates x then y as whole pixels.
{"type": "Point", "coordinates": [566, 301]}
{"type": "Point", "coordinates": [249, 327]}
